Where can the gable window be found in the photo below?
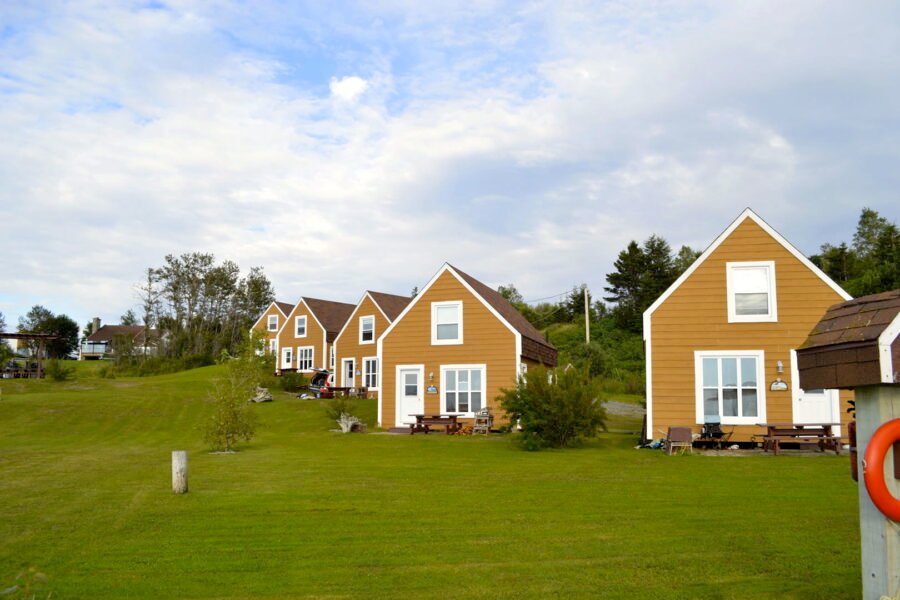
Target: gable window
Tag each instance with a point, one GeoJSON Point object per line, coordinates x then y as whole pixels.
{"type": "Point", "coordinates": [730, 386]}
{"type": "Point", "coordinates": [463, 388]}
{"type": "Point", "coordinates": [272, 325]}
{"type": "Point", "coordinates": [370, 372]}
{"type": "Point", "coordinates": [305, 358]}
{"type": "Point", "coordinates": [446, 323]}
{"type": "Point", "coordinates": [366, 330]}
{"type": "Point", "coordinates": [751, 292]}
{"type": "Point", "coordinates": [300, 326]}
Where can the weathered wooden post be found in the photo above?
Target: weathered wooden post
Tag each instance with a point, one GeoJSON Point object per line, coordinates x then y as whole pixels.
{"type": "Point", "coordinates": [856, 345]}
{"type": "Point", "coordinates": [179, 472]}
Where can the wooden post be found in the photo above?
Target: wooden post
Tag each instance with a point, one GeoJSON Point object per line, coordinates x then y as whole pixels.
{"type": "Point", "coordinates": [179, 472]}
{"type": "Point", "coordinates": [879, 536]}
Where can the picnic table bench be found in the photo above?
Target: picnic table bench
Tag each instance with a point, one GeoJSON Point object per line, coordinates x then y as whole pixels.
{"type": "Point", "coordinates": [817, 434]}
{"type": "Point", "coordinates": [424, 423]}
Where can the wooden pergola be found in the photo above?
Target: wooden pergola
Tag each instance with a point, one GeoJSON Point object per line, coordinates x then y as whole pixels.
{"type": "Point", "coordinates": [41, 339]}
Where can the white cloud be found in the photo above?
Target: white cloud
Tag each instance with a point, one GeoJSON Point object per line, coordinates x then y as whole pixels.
{"type": "Point", "coordinates": [348, 89]}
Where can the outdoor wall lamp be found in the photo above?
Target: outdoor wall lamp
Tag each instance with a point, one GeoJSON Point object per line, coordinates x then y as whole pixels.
{"type": "Point", "coordinates": [779, 367]}
{"type": "Point", "coordinates": [431, 376]}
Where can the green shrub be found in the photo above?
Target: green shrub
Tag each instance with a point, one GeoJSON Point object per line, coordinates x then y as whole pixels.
{"type": "Point", "coordinates": [554, 411]}
{"type": "Point", "coordinates": [233, 418]}
{"type": "Point", "coordinates": [57, 370]}
{"type": "Point", "coordinates": [293, 382]}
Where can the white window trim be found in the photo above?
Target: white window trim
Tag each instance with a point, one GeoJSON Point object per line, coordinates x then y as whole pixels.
{"type": "Point", "coordinates": [434, 306]}
{"type": "Point", "coordinates": [333, 352]}
{"type": "Point", "coordinates": [361, 319]}
{"type": "Point", "coordinates": [312, 358]}
{"type": "Point", "coordinates": [443, 398]}
{"type": "Point", "coordinates": [377, 374]}
{"type": "Point", "coordinates": [273, 346]}
{"type": "Point", "coordinates": [289, 363]}
{"type": "Point", "coordinates": [269, 323]}
{"type": "Point", "coordinates": [760, 357]}
{"type": "Point", "coordinates": [305, 326]}
{"type": "Point", "coordinates": [733, 317]}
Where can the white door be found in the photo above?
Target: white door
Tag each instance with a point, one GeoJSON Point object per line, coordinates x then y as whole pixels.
{"type": "Point", "coordinates": [286, 358]}
{"type": "Point", "coordinates": [813, 406]}
{"type": "Point", "coordinates": [348, 372]}
{"type": "Point", "coordinates": [410, 396]}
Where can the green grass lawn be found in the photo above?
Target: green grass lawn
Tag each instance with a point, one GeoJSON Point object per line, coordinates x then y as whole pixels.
{"type": "Point", "coordinates": [301, 512]}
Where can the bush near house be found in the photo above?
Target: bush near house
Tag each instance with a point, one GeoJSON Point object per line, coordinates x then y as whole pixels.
{"type": "Point", "coordinates": [554, 410]}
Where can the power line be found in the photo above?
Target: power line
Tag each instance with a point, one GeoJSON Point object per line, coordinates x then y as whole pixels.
{"type": "Point", "coordinates": [566, 293]}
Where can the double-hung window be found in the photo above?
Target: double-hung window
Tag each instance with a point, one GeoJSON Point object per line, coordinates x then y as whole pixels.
{"type": "Point", "coordinates": [447, 322]}
{"type": "Point", "coordinates": [305, 358]}
{"type": "Point", "coordinates": [300, 326]}
{"type": "Point", "coordinates": [730, 385]}
{"type": "Point", "coordinates": [272, 324]}
{"type": "Point", "coordinates": [464, 388]}
{"type": "Point", "coordinates": [366, 330]}
{"type": "Point", "coordinates": [370, 372]}
{"type": "Point", "coordinates": [751, 292]}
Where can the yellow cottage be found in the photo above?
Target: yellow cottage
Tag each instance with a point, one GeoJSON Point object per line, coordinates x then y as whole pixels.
{"type": "Point", "coordinates": [720, 341]}
{"type": "Point", "coordinates": [305, 338]}
{"type": "Point", "coordinates": [270, 322]}
{"type": "Point", "coordinates": [355, 348]}
{"type": "Point", "coordinates": [452, 350]}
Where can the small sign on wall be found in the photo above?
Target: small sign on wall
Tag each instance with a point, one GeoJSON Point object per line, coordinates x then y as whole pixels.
{"type": "Point", "coordinates": [778, 386]}
{"type": "Point", "coordinates": [431, 389]}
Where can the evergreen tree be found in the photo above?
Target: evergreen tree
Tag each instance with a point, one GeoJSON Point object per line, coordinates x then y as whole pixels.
{"type": "Point", "coordinates": [129, 318]}
{"type": "Point", "coordinates": [625, 286]}
{"type": "Point", "coordinates": [684, 259]}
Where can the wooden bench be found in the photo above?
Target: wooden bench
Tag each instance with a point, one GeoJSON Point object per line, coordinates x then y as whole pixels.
{"type": "Point", "coordinates": [424, 423]}
{"type": "Point", "coordinates": [810, 435]}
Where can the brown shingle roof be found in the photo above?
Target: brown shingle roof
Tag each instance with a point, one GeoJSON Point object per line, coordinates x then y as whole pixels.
{"type": "Point", "coordinates": [860, 320]}
{"type": "Point", "coordinates": [391, 304]}
{"type": "Point", "coordinates": [332, 315]}
{"type": "Point", "coordinates": [536, 347]}
{"type": "Point", "coordinates": [285, 307]}
{"type": "Point", "coordinates": [107, 332]}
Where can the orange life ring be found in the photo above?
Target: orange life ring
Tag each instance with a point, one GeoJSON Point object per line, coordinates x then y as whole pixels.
{"type": "Point", "coordinates": [873, 469]}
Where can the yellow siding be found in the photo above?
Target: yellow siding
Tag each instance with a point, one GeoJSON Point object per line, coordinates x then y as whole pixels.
{"type": "Point", "coordinates": [695, 317]}
{"type": "Point", "coordinates": [315, 337]}
{"type": "Point", "coordinates": [348, 345]}
{"type": "Point", "coordinates": [486, 341]}
{"type": "Point", "coordinates": [262, 324]}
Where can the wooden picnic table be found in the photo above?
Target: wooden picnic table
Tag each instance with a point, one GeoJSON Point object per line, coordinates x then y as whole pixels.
{"type": "Point", "coordinates": [818, 434]}
{"type": "Point", "coordinates": [425, 421]}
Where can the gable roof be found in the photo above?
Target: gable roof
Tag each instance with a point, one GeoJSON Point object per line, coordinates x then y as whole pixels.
{"type": "Point", "coordinates": [390, 304]}
{"type": "Point", "coordinates": [747, 214]}
{"type": "Point", "coordinates": [534, 346]}
{"type": "Point", "coordinates": [330, 315]}
{"type": "Point", "coordinates": [106, 333]}
{"type": "Point", "coordinates": [284, 308]}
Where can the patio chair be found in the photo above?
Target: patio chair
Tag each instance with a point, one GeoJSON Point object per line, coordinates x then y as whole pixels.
{"type": "Point", "coordinates": [484, 420]}
{"type": "Point", "coordinates": [712, 430]}
{"type": "Point", "coordinates": [679, 437]}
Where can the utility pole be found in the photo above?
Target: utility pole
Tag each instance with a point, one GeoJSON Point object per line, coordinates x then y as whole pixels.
{"type": "Point", "coordinates": [587, 319]}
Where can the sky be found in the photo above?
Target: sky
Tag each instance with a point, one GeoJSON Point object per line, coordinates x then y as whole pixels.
{"type": "Point", "coordinates": [346, 146]}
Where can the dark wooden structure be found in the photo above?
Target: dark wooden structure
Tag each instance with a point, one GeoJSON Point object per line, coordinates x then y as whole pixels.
{"type": "Point", "coordinates": [849, 347]}
{"type": "Point", "coordinates": [36, 372]}
{"type": "Point", "coordinates": [424, 423]}
{"type": "Point", "coordinates": [856, 345]}
{"type": "Point", "coordinates": [814, 434]}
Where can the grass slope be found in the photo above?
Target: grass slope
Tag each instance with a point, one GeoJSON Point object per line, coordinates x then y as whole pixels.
{"type": "Point", "coordinates": [305, 513]}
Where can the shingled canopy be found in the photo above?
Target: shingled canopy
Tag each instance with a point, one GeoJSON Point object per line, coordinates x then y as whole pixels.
{"type": "Point", "coordinates": [856, 343]}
